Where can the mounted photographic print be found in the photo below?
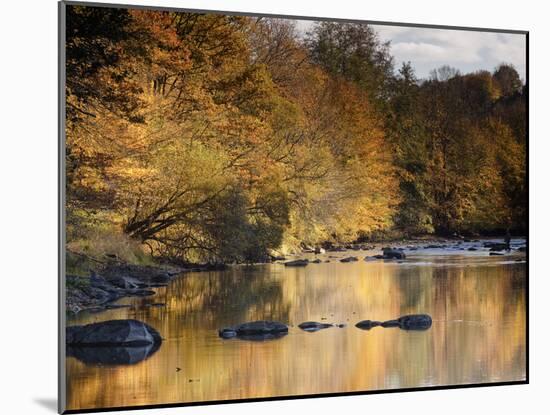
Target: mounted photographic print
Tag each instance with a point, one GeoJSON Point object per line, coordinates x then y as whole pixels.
{"type": "Point", "coordinates": [259, 207]}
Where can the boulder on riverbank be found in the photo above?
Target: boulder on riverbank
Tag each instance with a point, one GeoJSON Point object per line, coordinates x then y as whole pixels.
{"type": "Point", "coordinates": [297, 263]}
{"type": "Point", "coordinates": [96, 292]}
{"type": "Point", "coordinates": [122, 333]}
{"type": "Point", "coordinates": [314, 326]}
{"type": "Point", "coordinates": [255, 330]}
{"type": "Point", "coordinates": [139, 274]}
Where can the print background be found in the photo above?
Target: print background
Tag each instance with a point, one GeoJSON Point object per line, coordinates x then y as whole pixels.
{"type": "Point", "coordinates": [29, 170]}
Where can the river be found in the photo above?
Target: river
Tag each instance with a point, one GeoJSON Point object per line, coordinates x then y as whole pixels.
{"type": "Point", "coordinates": [477, 302]}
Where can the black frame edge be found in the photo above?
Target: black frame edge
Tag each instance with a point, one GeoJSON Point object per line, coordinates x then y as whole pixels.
{"type": "Point", "coordinates": [285, 16]}
{"type": "Point", "coordinates": [293, 397]}
{"type": "Point", "coordinates": [61, 194]}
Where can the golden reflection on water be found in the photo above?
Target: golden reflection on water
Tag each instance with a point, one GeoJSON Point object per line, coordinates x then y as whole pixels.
{"type": "Point", "coordinates": [478, 333]}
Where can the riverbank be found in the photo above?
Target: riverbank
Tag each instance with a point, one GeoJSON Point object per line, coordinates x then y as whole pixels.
{"type": "Point", "coordinates": [97, 283]}
{"type": "Point", "coordinates": [98, 287]}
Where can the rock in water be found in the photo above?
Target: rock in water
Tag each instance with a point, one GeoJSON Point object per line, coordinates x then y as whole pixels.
{"type": "Point", "coordinates": [367, 324]}
{"type": "Point", "coordinates": [127, 333]}
{"type": "Point", "coordinates": [227, 333]}
{"type": "Point", "coordinates": [415, 322]}
{"type": "Point", "coordinates": [390, 253]}
{"type": "Point", "coordinates": [349, 259]}
{"type": "Point", "coordinates": [261, 327]}
{"type": "Point", "coordinates": [495, 246]}
{"type": "Point", "coordinates": [255, 330]}
{"type": "Point", "coordinates": [297, 263]}
{"type": "Point", "coordinates": [314, 326]}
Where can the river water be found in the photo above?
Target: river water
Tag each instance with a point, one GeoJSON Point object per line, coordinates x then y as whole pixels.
{"type": "Point", "coordinates": [477, 303]}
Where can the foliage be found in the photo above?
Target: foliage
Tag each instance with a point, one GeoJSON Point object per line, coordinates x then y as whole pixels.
{"type": "Point", "coordinates": [203, 137]}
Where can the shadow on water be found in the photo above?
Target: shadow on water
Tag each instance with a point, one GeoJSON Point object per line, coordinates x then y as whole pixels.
{"type": "Point", "coordinates": [215, 299]}
{"type": "Point", "coordinates": [112, 355]}
{"type": "Point", "coordinates": [261, 337]}
{"type": "Point", "coordinates": [49, 403]}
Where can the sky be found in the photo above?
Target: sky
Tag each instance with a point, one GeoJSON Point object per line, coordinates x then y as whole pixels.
{"type": "Point", "coordinates": [467, 51]}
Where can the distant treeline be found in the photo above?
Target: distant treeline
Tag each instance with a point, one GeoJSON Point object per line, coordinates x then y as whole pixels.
{"type": "Point", "coordinates": [207, 137]}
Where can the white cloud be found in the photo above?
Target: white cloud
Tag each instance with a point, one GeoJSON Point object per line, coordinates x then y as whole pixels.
{"type": "Point", "coordinates": [429, 52]}
{"type": "Point", "coordinates": [468, 51]}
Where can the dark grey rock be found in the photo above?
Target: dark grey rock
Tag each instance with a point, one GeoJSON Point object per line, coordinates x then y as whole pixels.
{"type": "Point", "coordinates": [297, 263]}
{"type": "Point", "coordinates": [261, 327]}
{"type": "Point", "coordinates": [390, 253]}
{"type": "Point", "coordinates": [124, 333]}
{"type": "Point", "coordinates": [227, 333]}
{"type": "Point", "coordinates": [336, 249]}
{"type": "Point", "coordinates": [97, 281]}
{"type": "Point", "coordinates": [415, 322]}
{"type": "Point", "coordinates": [316, 261]}
{"type": "Point", "coordinates": [495, 246]}
{"type": "Point", "coordinates": [255, 330]}
{"type": "Point", "coordinates": [140, 273]}
{"type": "Point", "coordinates": [314, 326]}
{"type": "Point", "coordinates": [368, 324]}
{"type": "Point", "coordinates": [124, 282]}
{"type": "Point", "coordinates": [390, 323]}
{"type": "Point", "coordinates": [349, 259]}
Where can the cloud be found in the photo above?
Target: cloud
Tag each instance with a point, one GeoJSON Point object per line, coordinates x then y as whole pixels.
{"type": "Point", "coordinates": [468, 51]}
{"type": "Point", "coordinates": [465, 50]}
{"type": "Point", "coordinates": [429, 52]}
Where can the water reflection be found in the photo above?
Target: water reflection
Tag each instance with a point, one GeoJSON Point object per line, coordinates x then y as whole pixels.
{"type": "Point", "coordinates": [477, 336]}
{"type": "Point", "coordinates": [112, 355]}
